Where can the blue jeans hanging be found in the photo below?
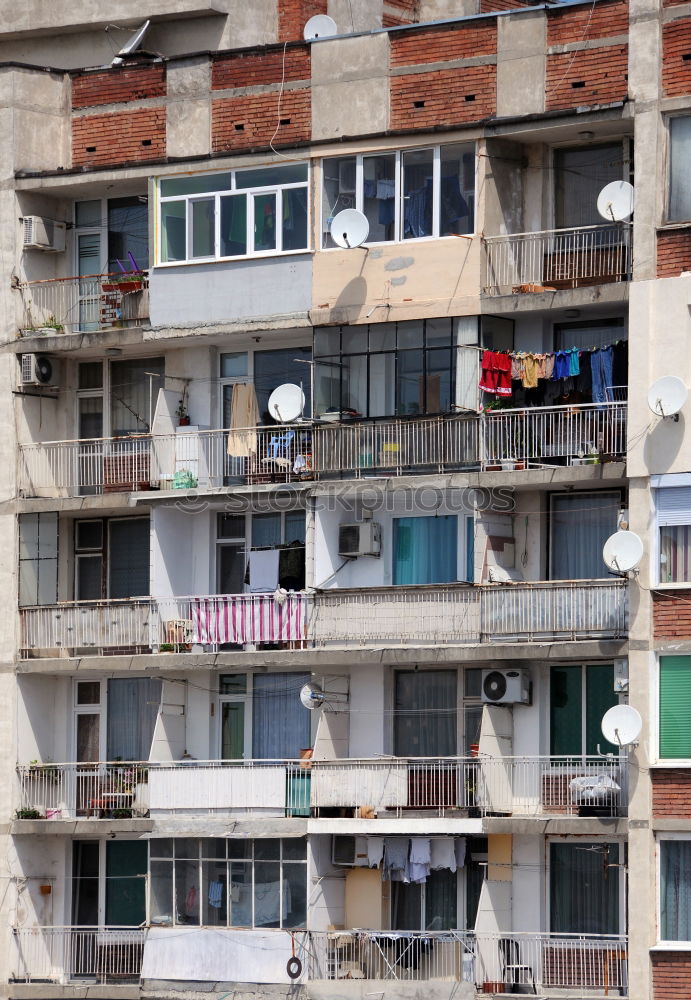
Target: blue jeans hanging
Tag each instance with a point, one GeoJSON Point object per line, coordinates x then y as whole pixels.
{"type": "Point", "coordinates": [601, 368]}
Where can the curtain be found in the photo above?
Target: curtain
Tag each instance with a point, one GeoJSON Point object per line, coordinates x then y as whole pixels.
{"type": "Point", "coordinates": [425, 549]}
{"type": "Point", "coordinates": [581, 524]}
{"type": "Point", "coordinates": [280, 722]}
{"type": "Point", "coordinates": [440, 901]}
{"type": "Point", "coordinates": [584, 890]}
{"type": "Point", "coordinates": [133, 704]}
{"type": "Point", "coordinates": [129, 547]}
{"type": "Point", "coordinates": [675, 890]}
{"type": "Point", "coordinates": [675, 564]}
{"type": "Point", "coordinates": [679, 176]}
{"type": "Point", "coordinates": [425, 713]}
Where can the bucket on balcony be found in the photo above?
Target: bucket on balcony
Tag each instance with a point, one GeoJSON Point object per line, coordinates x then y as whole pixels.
{"type": "Point", "coordinates": [474, 749]}
{"type": "Point", "coordinates": [53, 813]}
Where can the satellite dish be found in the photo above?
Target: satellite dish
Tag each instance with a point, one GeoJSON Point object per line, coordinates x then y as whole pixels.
{"type": "Point", "coordinates": [133, 44]}
{"type": "Point", "coordinates": [349, 228]}
{"type": "Point", "coordinates": [615, 201]}
{"type": "Point", "coordinates": [667, 396]}
{"type": "Point", "coordinates": [622, 551]}
{"type": "Point", "coordinates": [319, 26]}
{"type": "Point", "coordinates": [286, 403]}
{"type": "Point", "coordinates": [621, 725]}
{"type": "Point", "coordinates": [311, 696]}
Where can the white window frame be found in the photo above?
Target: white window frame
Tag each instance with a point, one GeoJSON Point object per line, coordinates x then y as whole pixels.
{"type": "Point", "coordinates": [665, 944]}
{"type": "Point", "coordinates": [656, 582]}
{"type": "Point", "coordinates": [398, 195]}
{"type": "Point", "coordinates": [250, 193]}
{"type": "Point", "coordinates": [236, 699]}
{"type": "Point", "coordinates": [101, 710]}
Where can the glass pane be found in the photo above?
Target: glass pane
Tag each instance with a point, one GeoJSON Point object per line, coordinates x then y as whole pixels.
{"type": "Point", "coordinates": [327, 341]}
{"type": "Point", "coordinates": [90, 375]}
{"type": "Point", "coordinates": [406, 907]}
{"type": "Point", "coordinates": [382, 337]}
{"type": "Point", "coordinates": [566, 710]}
{"type": "Point", "coordinates": [234, 365]}
{"type": "Point", "coordinates": [354, 340]}
{"type": "Point", "coordinates": [679, 179]}
{"type": "Point", "coordinates": [581, 524]}
{"type": "Point", "coordinates": [675, 553]}
{"type": "Point", "coordinates": [289, 173]}
{"type": "Point", "coordinates": [88, 213]}
{"type": "Point", "coordinates": [425, 718]}
{"type": "Point", "coordinates": [88, 693]}
{"type": "Point", "coordinates": [409, 384]}
{"type": "Point", "coordinates": [584, 888]}
{"type": "Point", "coordinates": [240, 896]}
{"type": "Point", "coordinates": [232, 730]}
{"type": "Point", "coordinates": [134, 386]}
{"type": "Point", "coordinates": [128, 574]}
{"type": "Point", "coordinates": [294, 849]}
{"type": "Point", "coordinates": [133, 706]}
{"type": "Point", "coordinates": [440, 901]}
{"type": "Point", "coordinates": [264, 222]}
{"type": "Point", "coordinates": [425, 549]}
{"type": "Point", "coordinates": [88, 728]}
{"type": "Point", "coordinates": [89, 254]}
{"type": "Point", "coordinates": [214, 894]}
{"type": "Point", "coordinates": [234, 225]}
{"type": "Point", "coordinates": [161, 847]}
{"type": "Point", "coordinates": [675, 890]}
{"type": "Point", "coordinates": [327, 386]}
{"type": "Point", "coordinates": [417, 193]}
{"type": "Point", "coordinates": [456, 195]}
{"type": "Point", "coordinates": [85, 882]}
{"type": "Point", "coordinates": [438, 332]}
{"type": "Point", "coordinates": [89, 534]}
{"type": "Point", "coordinates": [173, 231]}
{"type": "Point", "coordinates": [214, 848]}
{"type": "Point", "coordinates": [599, 697]}
{"type": "Point", "coordinates": [410, 333]}
{"type": "Point", "coordinates": [89, 583]}
{"type": "Point", "coordinates": [203, 216]}
{"type": "Point", "coordinates": [128, 234]}
{"type": "Point", "coordinates": [47, 581]}
{"type": "Point", "coordinates": [126, 864]}
{"type": "Point", "coordinates": [295, 526]}
{"type": "Point", "coordinates": [472, 720]}
{"type": "Point", "coordinates": [273, 368]}
{"type": "Point", "coordinates": [438, 381]}
{"type": "Point", "coordinates": [355, 385]}
{"type": "Point", "coordinates": [294, 895]}
{"type": "Point", "coordinates": [472, 682]}
{"type": "Point", "coordinates": [267, 850]}
{"type": "Point", "coordinates": [579, 176]}
{"type": "Point", "coordinates": [382, 385]}
{"type": "Point", "coordinates": [280, 724]}
{"type": "Point", "coordinates": [295, 219]}
{"type": "Point", "coordinates": [240, 849]}
{"type": "Point", "coordinates": [231, 569]}
{"type": "Point", "coordinates": [379, 196]}
{"type": "Point", "coordinates": [233, 684]}
{"type": "Point", "coordinates": [186, 847]}
{"type": "Point", "coordinates": [48, 536]}
{"type": "Point", "coordinates": [270, 903]}
{"type": "Point", "coordinates": [230, 526]}
{"type": "Point", "coordinates": [195, 185]}
{"type": "Point", "coordinates": [338, 192]}
{"type": "Point", "coordinates": [90, 419]}
{"type": "Point", "coordinates": [266, 530]}
{"type": "Point", "coordinates": [187, 901]}
{"type": "Point", "coordinates": [28, 536]}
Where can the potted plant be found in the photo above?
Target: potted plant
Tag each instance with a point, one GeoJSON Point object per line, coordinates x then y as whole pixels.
{"type": "Point", "coordinates": [125, 283]}
{"type": "Point", "coordinates": [166, 647]}
{"type": "Point", "coordinates": [28, 814]}
{"type": "Point", "coordinates": [182, 414]}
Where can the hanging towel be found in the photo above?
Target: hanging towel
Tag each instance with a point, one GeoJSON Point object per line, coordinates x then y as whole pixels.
{"type": "Point", "coordinates": [420, 857]}
{"type": "Point", "coordinates": [244, 417]}
{"type": "Point", "coordinates": [215, 894]}
{"type": "Point", "coordinates": [375, 851]}
{"type": "Point", "coordinates": [562, 364]}
{"type": "Point", "coordinates": [360, 852]}
{"type": "Point", "coordinates": [264, 571]}
{"type": "Point", "coordinates": [443, 854]}
{"type": "Point", "coordinates": [530, 372]}
{"type": "Point", "coordinates": [396, 867]}
{"type": "Point", "coordinates": [460, 848]}
{"type": "Point", "coordinates": [574, 364]}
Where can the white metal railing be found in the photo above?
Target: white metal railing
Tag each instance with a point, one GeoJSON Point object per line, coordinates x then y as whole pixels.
{"type": "Point", "coordinates": [482, 786]}
{"type": "Point", "coordinates": [88, 303]}
{"type": "Point", "coordinates": [557, 258]}
{"type": "Point", "coordinates": [443, 613]}
{"type": "Point", "coordinates": [61, 954]}
{"type": "Point", "coordinates": [391, 955]}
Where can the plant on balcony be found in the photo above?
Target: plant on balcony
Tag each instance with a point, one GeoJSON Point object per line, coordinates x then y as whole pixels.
{"type": "Point", "coordinates": [49, 325]}
{"type": "Point", "coordinates": [126, 283]}
{"type": "Point", "coordinates": [121, 813]}
{"type": "Point", "coordinates": [28, 814]}
{"type": "Point", "coordinates": [166, 647]}
{"type": "Point", "coordinates": [182, 414]}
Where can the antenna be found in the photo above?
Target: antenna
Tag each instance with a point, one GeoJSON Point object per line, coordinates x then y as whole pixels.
{"type": "Point", "coordinates": [312, 696]}
{"type": "Point", "coordinates": [132, 44]}
{"type": "Point", "coordinates": [622, 552]}
{"type": "Point", "coordinates": [349, 228]}
{"type": "Point", "coordinates": [667, 396]}
{"type": "Point", "coordinates": [621, 725]}
{"type": "Point", "coordinates": [615, 201]}
{"type": "Point", "coordinates": [286, 403]}
{"type": "Point", "coordinates": [319, 26]}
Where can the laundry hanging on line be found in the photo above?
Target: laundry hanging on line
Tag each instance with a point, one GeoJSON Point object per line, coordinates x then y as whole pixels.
{"type": "Point", "coordinates": [499, 369]}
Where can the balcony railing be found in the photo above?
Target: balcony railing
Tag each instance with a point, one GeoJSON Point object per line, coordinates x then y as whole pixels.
{"type": "Point", "coordinates": [440, 786]}
{"type": "Point", "coordinates": [441, 613]}
{"type": "Point", "coordinates": [90, 303]}
{"type": "Point", "coordinates": [557, 258]}
{"type": "Point", "coordinates": [497, 963]}
{"type": "Point", "coordinates": [61, 954]}
{"type": "Point", "coordinates": [507, 439]}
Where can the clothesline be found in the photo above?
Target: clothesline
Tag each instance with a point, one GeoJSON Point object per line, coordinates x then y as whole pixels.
{"type": "Point", "coordinates": [500, 368]}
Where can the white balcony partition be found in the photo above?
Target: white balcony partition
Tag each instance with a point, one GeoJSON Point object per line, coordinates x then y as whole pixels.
{"type": "Point", "coordinates": [65, 954]}
{"type": "Point", "coordinates": [234, 788]}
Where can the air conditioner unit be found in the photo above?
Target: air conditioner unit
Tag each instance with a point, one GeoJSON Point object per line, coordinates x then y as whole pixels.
{"type": "Point", "coordinates": [509, 686]}
{"type": "Point", "coordinates": [43, 234]}
{"type": "Point", "coordinates": [359, 539]}
{"type": "Point", "coordinates": [343, 850]}
{"type": "Point", "coordinates": [38, 369]}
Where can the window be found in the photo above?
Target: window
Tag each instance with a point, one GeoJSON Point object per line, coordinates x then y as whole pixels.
{"type": "Point", "coordinates": [579, 697]}
{"type": "Point", "coordinates": [584, 888]}
{"type": "Point", "coordinates": [405, 195]}
{"type": "Point", "coordinates": [675, 707]}
{"type": "Point", "coordinates": [115, 719]}
{"type": "Point", "coordinates": [584, 335]}
{"type": "Point", "coordinates": [679, 209]}
{"type": "Point", "coordinates": [430, 906]}
{"type": "Point", "coordinates": [675, 890]}
{"type": "Point", "coordinates": [229, 883]}
{"type": "Point", "coordinates": [580, 524]}
{"type": "Point", "coordinates": [261, 716]}
{"type": "Point", "coordinates": [108, 883]}
{"type": "Point", "coordinates": [114, 232]}
{"type": "Point", "coordinates": [111, 558]}
{"type": "Point", "coordinates": [236, 213]}
{"type": "Point", "coordinates": [284, 530]}
{"type": "Point", "coordinates": [579, 176]}
{"type": "Point", "coordinates": [674, 525]}
{"type": "Point", "coordinates": [425, 715]}
{"type": "Point", "coordinates": [38, 558]}
{"type": "Point", "coordinates": [385, 369]}
{"type": "Point", "coordinates": [265, 370]}
{"type": "Point", "coordinates": [425, 549]}
{"type": "Point", "coordinates": [117, 399]}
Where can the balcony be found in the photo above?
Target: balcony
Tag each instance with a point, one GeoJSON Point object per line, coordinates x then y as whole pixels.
{"type": "Point", "coordinates": [557, 258]}
{"type": "Point", "coordinates": [87, 304]}
{"type": "Point", "coordinates": [537, 787]}
{"type": "Point", "coordinates": [538, 611]}
{"type": "Point", "coordinates": [65, 954]}
{"type": "Point", "coordinates": [505, 439]}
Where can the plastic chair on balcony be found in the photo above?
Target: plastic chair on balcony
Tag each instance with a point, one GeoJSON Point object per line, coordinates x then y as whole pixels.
{"type": "Point", "coordinates": [279, 448]}
{"type": "Point", "coordinates": [516, 974]}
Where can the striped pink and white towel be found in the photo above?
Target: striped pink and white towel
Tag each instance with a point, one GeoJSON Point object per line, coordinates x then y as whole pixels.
{"type": "Point", "coordinates": [248, 618]}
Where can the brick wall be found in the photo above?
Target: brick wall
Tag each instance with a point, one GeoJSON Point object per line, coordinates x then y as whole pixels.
{"type": "Point", "coordinates": [113, 86]}
{"type": "Point", "coordinates": [587, 76]}
{"type": "Point", "coordinates": [672, 3]}
{"type": "Point", "coordinates": [488, 6]}
{"type": "Point", "coordinates": [397, 12]}
{"type": "Point", "coordinates": [415, 48]}
{"type": "Point", "coordinates": [672, 616]}
{"type": "Point", "coordinates": [604, 20]}
{"type": "Point", "coordinates": [671, 794]}
{"type": "Point", "coordinates": [242, 122]}
{"type": "Point", "coordinates": [294, 14]}
{"type": "Point", "coordinates": [254, 69]}
{"type": "Point", "coordinates": [444, 97]}
{"type": "Point", "coordinates": [676, 57]}
{"type": "Point", "coordinates": [121, 137]}
{"type": "Point", "coordinates": [671, 975]}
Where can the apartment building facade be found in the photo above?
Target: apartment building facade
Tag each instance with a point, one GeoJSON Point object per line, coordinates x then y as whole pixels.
{"type": "Point", "coordinates": [308, 702]}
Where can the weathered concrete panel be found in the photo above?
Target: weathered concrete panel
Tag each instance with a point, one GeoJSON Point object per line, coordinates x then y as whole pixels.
{"type": "Point", "coordinates": [521, 64]}
{"type": "Point", "coordinates": [355, 15]}
{"type": "Point", "coordinates": [350, 86]}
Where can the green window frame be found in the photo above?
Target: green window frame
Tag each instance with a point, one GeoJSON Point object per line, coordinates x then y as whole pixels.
{"type": "Point", "coordinates": [675, 707]}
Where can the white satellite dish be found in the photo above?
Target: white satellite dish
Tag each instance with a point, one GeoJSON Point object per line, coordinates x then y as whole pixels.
{"type": "Point", "coordinates": [667, 396]}
{"type": "Point", "coordinates": [622, 551]}
{"type": "Point", "coordinates": [621, 725]}
{"type": "Point", "coordinates": [132, 45]}
{"type": "Point", "coordinates": [311, 696]}
{"type": "Point", "coordinates": [286, 403]}
{"type": "Point", "coordinates": [615, 201]}
{"type": "Point", "coordinates": [349, 228]}
{"type": "Point", "coordinates": [319, 26]}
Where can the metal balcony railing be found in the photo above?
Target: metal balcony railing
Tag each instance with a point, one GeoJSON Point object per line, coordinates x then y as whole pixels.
{"type": "Point", "coordinates": [392, 786]}
{"type": "Point", "coordinates": [90, 303]}
{"type": "Point", "coordinates": [557, 258]}
{"type": "Point", "coordinates": [62, 954]}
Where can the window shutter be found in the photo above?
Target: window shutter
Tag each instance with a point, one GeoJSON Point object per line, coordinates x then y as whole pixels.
{"type": "Point", "coordinates": [674, 505]}
{"type": "Point", "coordinates": [675, 707]}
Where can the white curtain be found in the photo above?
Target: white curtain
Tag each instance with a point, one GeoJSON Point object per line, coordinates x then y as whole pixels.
{"type": "Point", "coordinates": [679, 174]}
{"type": "Point", "coordinates": [280, 722]}
{"type": "Point", "coordinates": [133, 704]}
{"type": "Point", "coordinates": [581, 524]}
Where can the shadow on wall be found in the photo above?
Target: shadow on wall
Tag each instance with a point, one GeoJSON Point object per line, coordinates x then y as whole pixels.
{"type": "Point", "coordinates": [662, 444]}
{"type": "Point", "coordinates": [350, 302]}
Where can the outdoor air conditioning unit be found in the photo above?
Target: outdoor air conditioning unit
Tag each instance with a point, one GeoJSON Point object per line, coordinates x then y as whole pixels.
{"type": "Point", "coordinates": [359, 539]}
{"type": "Point", "coordinates": [343, 850]}
{"type": "Point", "coordinates": [39, 370]}
{"type": "Point", "coordinates": [509, 686]}
{"type": "Point", "coordinates": [43, 234]}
